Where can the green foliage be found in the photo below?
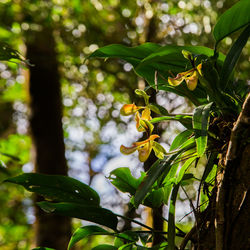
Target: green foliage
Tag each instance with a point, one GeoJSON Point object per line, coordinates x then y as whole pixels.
{"type": "Point", "coordinates": [57, 188]}
{"type": "Point", "coordinates": [94, 214]}
{"type": "Point", "coordinates": [232, 20]}
{"type": "Point", "coordinates": [233, 56]}
{"type": "Point", "coordinates": [200, 125]}
{"type": "Point", "coordinates": [124, 181]}
{"type": "Point", "coordinates": [215, 100]}
{"type": "Point", "coordinates": [86, 231]}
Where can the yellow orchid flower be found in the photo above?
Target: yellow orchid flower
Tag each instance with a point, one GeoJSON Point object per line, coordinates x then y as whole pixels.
{"type": "Point", "coordinates": [129, 109]}
{"type": "Point", "coordinates": [144, 148]}
{"type": "Point", "coordinates": [190, 76]}
{"type": "Point", "coordinates": [142, 123]}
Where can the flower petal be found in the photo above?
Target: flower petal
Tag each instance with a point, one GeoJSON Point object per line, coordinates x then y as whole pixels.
{"type": "Point", "coordinates": [144, 151]}
{"type": "Point", "coordinates": [129, 109]}
{"type": "Point", "coordinates": [146, 114]}
{"type": "Point", "coordinates": [199, 69]}
{"type": "Point", "coordinates": [192, 81]}
{"type": "Point", "coordinates": [128, 150]}
{"type": "Point", "coordinates": [176, 81]}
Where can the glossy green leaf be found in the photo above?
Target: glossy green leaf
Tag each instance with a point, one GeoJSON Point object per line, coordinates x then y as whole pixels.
{"type": "Point", "coordinates": [200, 126]}
{"type": "Point", "coordinates": [104, 247]}
{"type": "Point", "coordinates": [132, 55]}
{"type": "Point", "coordinates": [180, 139]}
{"type": "Point", "coordinates": [171, 219]}
{"type": "Point", "coordinates": [232, 20]}
{"type": "Point", "coordinates": [170, 58]}
{"type": "Point", "coordinates": [233, 56]}
{"type": "Point", "coordinates": [57, 188]}
{"type": "Point", "coordinates": [122, 179]}
{"type": "Point", "coordinates": [94, 214]}
{"type": "Point", "coordinates": [83, 232]}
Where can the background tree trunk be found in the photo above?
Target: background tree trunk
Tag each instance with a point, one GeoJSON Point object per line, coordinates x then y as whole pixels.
{"type": "Point", "coordinates": [46, 127]}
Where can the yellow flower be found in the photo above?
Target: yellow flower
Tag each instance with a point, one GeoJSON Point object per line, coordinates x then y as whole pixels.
{"type": "Point", "coordinates": [129, 109]}
{"type": "Point", "coordinates": [144, 148]}
{"type": "Point", "coordinates": [190, 76]}
{"type": "Point", "coordinates": [142, 121]}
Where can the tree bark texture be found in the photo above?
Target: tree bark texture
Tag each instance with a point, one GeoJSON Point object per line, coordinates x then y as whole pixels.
{"type": "Point", "coordinates": [225, 223]}
{"type": "Point", "coordinates": [46, 127]}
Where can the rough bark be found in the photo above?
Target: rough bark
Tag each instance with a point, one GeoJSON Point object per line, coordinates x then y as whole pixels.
{"type": "Point", "coordinates": [225, 223]}
{"type": "Point", "coordinates": [46, 127]}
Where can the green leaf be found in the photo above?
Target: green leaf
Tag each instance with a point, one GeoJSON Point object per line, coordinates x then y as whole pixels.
{"type": "Point", "coordinates": [124, 181]}
{"type": "Point", "coordinates": [154, 198]}
{"type": "Point", "coordinates": [170, 58]}
{"type": "Point", "coordinates": [232, 20]}
{"type": "Point", "coordinates": [57, 188]}
{"type": "Point", "coordinates": [104, 247]}
{"type": "Point", "coordinates": [185, 120]}
{"type": "Point", "coordinates": [170, 179]}
{"type": "Point", "coordinates": [132, 55]}
{"type": "Point", "coordinates": [200, 126]}
{"type": "Point", "coordinates": [43, 248]}
{"type": "Point", "coordinates": [233, 56]}
{"type": "Point", "coordinates": [171, 219]}
{"type": "Point", "coordinates": [180, 139]}
{"type": "Point", "coordinates": [158, 109]}
{"type": "Point", "coordinates": [160, 152]}
{"type": "Point", "coordinates": [127, 246]}
{"type": "Point", "coordinates": [94, 214]}
{"type": "Point", "coordinates": [155, 171]}
{"type": "Point", "coordinates": [184, 167]}
{"type": "Point", "coordinates": [83, 232]}
{"type": "Point", "coordinates": [209, 166]}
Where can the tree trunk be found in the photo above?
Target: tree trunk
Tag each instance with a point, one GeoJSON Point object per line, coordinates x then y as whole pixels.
{"type": "Point", "coordinates": [225, 223]}
{"type": "Point", "coordinates": [46, 127]}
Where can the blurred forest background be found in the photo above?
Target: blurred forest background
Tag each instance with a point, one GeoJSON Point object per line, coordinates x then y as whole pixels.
{"type": "Point", "coordinates": [61, 114]}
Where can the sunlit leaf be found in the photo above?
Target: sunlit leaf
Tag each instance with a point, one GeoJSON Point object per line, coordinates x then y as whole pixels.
{"type": "Point", "coordinates": [184, 167]}
{"type": "Point", "coordinates": [122, 179]}
{"type": "Point", "coordinates": [200, 126]}
{"type": "Point", "coordinates": [233, 19]}
{"type": "Point", "coordinates": [83, 232]}
{"type": "Point", "coordinates": [180, 139]}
